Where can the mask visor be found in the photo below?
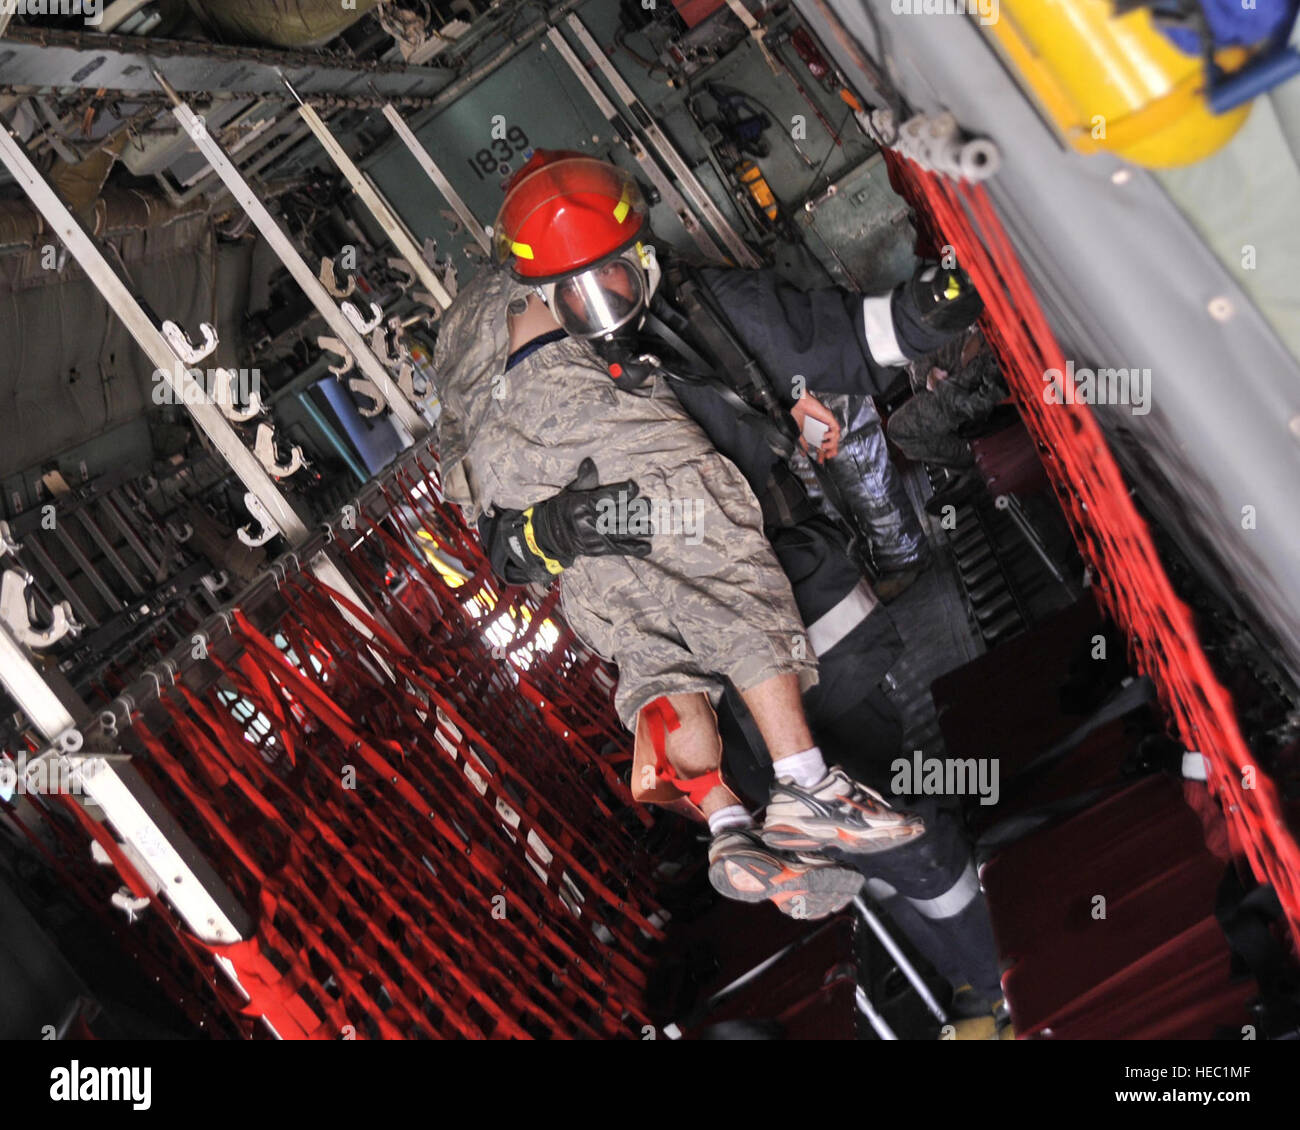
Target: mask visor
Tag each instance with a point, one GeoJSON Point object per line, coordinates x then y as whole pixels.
{"type": "Point", "coordinates": [600, 301]}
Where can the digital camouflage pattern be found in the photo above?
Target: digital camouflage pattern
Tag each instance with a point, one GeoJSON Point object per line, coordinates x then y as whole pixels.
{"type": "Point", "coordinates": [928, 427]}
{"type": "Point", "coordinates": [711, 600]}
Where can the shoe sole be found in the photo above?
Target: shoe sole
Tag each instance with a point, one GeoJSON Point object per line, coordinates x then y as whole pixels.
{"type": "Point", "coordinates": [797, 892]}
{"type": "Point", "coordinates": [814, 837]}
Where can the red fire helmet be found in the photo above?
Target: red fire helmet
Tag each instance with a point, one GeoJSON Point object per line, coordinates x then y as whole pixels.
{"type": "Point", "coordinates": [563, 212]}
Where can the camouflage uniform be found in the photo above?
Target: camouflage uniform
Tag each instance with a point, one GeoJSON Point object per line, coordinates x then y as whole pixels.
{"type": "Point", "coordinates": [711, 600]}
{"type": "Point", "coordinates": [926, 428]}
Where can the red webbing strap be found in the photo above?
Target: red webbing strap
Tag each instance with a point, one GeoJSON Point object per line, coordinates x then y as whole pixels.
{"type": "Point", "coordinates": [476, 855]}
{"type": "Point", "coordinates": [276, 1008]}
{"type": "Point", "coordinates": [464, 544]}
{"type": "Point", "coordinates": [470, 649]}
{"type": "Point", "coordinates": [93, 884]}
{"type": "Point", "coordinates": [1131, 580]}
{"type": "Point", "coordinates": [380, 845]}
{"type": "Point", "coordinates": [663, 720]}
{"type": "Point", "coordinates": [306, 892]}
{"type": "Point", "coordinates": [272, 995]}
{"type": "Point", "coordinates": [101, 835]}
{"type": "Point", "coordinates": [495, 830]}
{"type": "Point", "coordinates": [474, 778]}
{"type": "Point", "coordinates": [305, 886]}
{"type": "Point", "coordinates": [273, 703]}
{"type": "Point", "coordinates": [324, 707]}
{"type": "Point", "coordinates": [503, 766]}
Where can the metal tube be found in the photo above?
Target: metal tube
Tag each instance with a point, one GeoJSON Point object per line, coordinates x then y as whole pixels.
{"type": "Point", "coordinates": [1011, 505]}
{"type": "Point", "coordinates": [126, 802]}
{"type": "Point", "coordinates": [662, 182]}
{"type": "Point", "coordinates": [900, 958]}
{"type": "Point", "coordinates": [374, 201]}
{"type": "Point", "coordinates": [303, 275]}
{"type": "Point", "coordinates": [88, 523]}
{"type": "Point", "coordinates": [70, 594]}
{"type": "Point", "coordinates": [28, 688]}
{"type": "Point", "coordinates": [88, 570]}
{"type": "Point", "coordinates": [878, 1022]}
{"type": "Point", "coordinates": [451, 92]}
{"type": "Point", "coordinates": [132, 539]}
{"type": "Point", "coordinates": [659, 141]}
{"type": "Point", "coordinates": [435, 174]}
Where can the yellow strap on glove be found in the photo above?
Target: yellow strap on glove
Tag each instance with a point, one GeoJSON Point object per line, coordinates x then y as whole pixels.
{"type": "Point", "coordinates": [530, 536]}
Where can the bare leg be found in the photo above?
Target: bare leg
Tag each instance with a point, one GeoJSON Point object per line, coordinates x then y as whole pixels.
{"type": "Point", "coordinates": [777, 707]}
{"type": "Point", "coordinates": [695, 747]}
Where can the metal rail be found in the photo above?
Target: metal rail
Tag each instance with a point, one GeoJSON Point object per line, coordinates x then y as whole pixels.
{"type": "Point", "coordinates": [374, 201]}
{"type": "Point", "coordinates": [248, 199]}
{"type": "Point", "coordinates": [45, 57]}
{"type": "Point", "coordinates": [667, 190]}
{"type": "Point", "coordinates": [667, 152]}
{"type": "Point", "coordinates": [435, 174]}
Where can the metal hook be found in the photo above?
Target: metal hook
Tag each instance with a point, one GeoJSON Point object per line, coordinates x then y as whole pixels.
{"type": "Point", "coordinates": [16, 613]}
{"type": "Point", "coordinates": [264, 449]}
{"type": "Point", "coordinates": [333, 345]}
{"type": "Point", "coordinates": [215, 581]}
{"type": "Point", "coordinates": [185, 349]}
{"type": "Point", "coordinates": [367, 388]}
{"type": "Point", "coordinates": [379, 346]}
{"type": "Point", "coordinates": [406, 382]}
{"type": "Point", "coordinates": [424, 298]}
{"type": "Point", "coordinates": [225, 397]}
{"type": "Point", "coordinates": [403, 268]}
{"type": "Point", "coordinates": [357, 319]}
{"type": "Point", "coordinates": [7, 542]}
{"type": "Point", "coordinates": [329, 279]}
{"type": "Point", "coordinates": [268, 527]}
{"type": "Point", "coordinates": [127, 701]}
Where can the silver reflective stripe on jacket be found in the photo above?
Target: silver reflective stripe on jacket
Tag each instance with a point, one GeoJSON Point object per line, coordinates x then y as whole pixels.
{"type": "Point", "coordinates": [878, 317]}
{"type": "Point", "coordinates": [833, 626]}
{"type": "Point", "coordinates": [954, 900]}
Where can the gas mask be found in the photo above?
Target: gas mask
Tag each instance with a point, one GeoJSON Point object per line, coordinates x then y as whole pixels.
{"type": "Point", "coordinates": [606, 305]}
{"type": "Point", "coordinates": [607, 299]}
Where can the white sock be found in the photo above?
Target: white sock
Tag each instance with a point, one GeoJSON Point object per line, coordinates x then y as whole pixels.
{"type": "Point", "coordinates": [805, 769]}
{"type": "Point", "coordinates": [725, 819]}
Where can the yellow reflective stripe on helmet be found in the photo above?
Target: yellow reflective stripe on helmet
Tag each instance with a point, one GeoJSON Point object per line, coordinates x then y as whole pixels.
{"type": "Point", "coordinates": [623, 206]}
{"type": "Point", "coordinates": [953, 289]}
{"type": "Point", "coordinates": [523, 250]}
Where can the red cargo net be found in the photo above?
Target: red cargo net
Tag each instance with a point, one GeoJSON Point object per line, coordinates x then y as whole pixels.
{"type": "Point", "coordinates": [427, 826]}
{"type": "Point", "coordinates": [1130, 580]}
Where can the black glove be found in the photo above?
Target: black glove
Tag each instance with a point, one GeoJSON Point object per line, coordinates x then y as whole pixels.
{"type": "Point", "coordinates": [931, 309]}
{"type": "Point", "coordinates": [586, 520]}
